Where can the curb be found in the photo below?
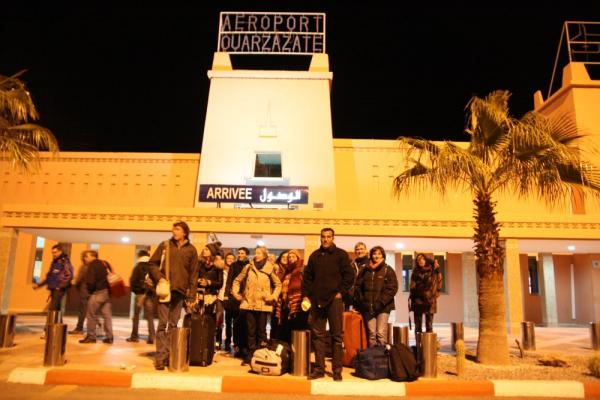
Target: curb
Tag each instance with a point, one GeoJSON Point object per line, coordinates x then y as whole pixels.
{"type": "Point", "coordinates": [283, 385]}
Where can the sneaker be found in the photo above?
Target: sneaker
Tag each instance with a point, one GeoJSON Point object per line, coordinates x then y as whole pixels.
{"type": "Point", "coordinates": [132, 340]}
{"type": "Point", "coordinates": [87, 339]}
{"type": "Point", "coordinates": [316, 375]}
{"type": "Point", "coordinates": [337, 376]}
{"type": "Point", "coordinates": [76, 332]}
{"type": "Point", "coordinates": [108, 340]}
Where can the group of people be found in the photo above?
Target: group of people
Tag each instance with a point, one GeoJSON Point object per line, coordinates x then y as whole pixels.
{"type": "Point", "coordinates": [243, 293]}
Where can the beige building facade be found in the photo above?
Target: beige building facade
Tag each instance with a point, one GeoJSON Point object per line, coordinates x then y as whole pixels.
{"type": "Point", "coordinates": [278, 126]}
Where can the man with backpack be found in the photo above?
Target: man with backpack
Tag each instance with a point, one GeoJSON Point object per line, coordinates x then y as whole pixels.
{"type": "Point", "coordinates": [144, 297]}
{"type": "Point", "coordinates": [58, 279]}
{"type": "Point", "coordinates": [174, 270]}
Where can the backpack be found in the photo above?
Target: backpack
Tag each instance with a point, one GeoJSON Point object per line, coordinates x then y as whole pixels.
{"type": "Point", "coordinates": [403, 366]}
{"type": "Point", "coordinates": [372, 363]}
{"type": "Point", "coordinates": [272, 360]}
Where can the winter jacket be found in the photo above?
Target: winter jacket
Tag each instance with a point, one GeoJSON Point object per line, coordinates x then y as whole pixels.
{"type": "Point", "coordinates": [183, 273]}
{"type": "Point", "coordinates": [260, 287]}
{"type": "Point", "coordinates": [60, 274]}
{"type": "Point", "coordinates": [327, 273]}
{"type": "Point", "coordinates": [425, 286]}
{"type": "Point", "coordinates": [137, 281]}
{"type": "Point", "coordinates": [375, 290]}
{"type": "Point", "coordinates": [97, 276]}
{"type": "Point", "coordinates": [214, 276]}
{"type": "Point", "coordinates": [359, 263]}
{"type": "Point", "coordinates": [234, 270]}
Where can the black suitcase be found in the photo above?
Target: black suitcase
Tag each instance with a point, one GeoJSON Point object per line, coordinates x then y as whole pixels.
{"type": "Point", "coordinates": [202, 338]}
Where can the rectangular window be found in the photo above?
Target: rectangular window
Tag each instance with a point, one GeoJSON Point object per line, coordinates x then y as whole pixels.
{"type": "Point", "coordinates": [442, 262]}
{"type": "Point", "coordinates": [534, 281]}
{"type": "Point", "coordinates": [267, 165]}
{"type": "Point", "coordinates": [37, 260]}
{"type": "Point", "coordinates": [407, 266]}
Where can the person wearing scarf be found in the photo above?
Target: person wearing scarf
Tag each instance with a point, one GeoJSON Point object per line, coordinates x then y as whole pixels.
{"type": "Point", "coordinates": [289, 312]}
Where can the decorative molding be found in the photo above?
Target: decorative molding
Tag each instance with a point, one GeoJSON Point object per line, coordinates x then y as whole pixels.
{"type": "Point", "coordinates": [122, 160]}
{"type": "Point", "coordinates": [291, 220]}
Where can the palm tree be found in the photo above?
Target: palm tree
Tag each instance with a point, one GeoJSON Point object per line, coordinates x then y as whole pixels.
{"type": "Point", "coordinates": [531, 156]}
{"type": "Point", "coordinates": [20, 140]}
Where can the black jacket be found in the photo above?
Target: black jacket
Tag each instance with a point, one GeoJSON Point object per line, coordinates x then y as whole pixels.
{"type": "Point", "coordinates": [375, 290]}
{"type": "Point", "coordinates": [96, 277]}
{"type": "Point", "coordinates": [214, 276]}
{"type": "Point", "coordinates": [327, 273]}
{"type": "Point", "coordinates": [183, 269]}
{"type": "Point", "coordinates": [234, 270]}
{"type": "Point", "coordinates": [137, 281]}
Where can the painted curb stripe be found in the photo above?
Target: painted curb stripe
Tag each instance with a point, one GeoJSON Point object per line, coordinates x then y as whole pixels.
{"type": "Point", "coordinates": [264, 384]}
{"type": "Point", "coordinates": [88, 378]}
{"type": "Point", "coordinates": [32, 376]}
{"type": "Point", "coordinates": [197, 383]}
{"type": "Point", "coordinates": [532, 388]}
{"type": "Point", "coordinates": [358, 388]}
{"type": "Point", "coordinates": [449, 388]}
{"type": "Point", "coordinates": [591, 389]}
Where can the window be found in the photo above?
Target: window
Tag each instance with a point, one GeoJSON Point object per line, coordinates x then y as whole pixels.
{"type": "Point", "coordinates": [534, 281]}
{"type": "Point", "coordinates": [407, 266]}
{"type": "Point", "coordinates": [267, 165]}
{"type": "Point", "coordinates": [442, 262]}
{"type": "Point", "coordinates": [37, 260]}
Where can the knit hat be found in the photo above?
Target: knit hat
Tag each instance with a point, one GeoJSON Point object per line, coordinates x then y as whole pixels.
{"type": "Point", "coordinates": [214, 248]}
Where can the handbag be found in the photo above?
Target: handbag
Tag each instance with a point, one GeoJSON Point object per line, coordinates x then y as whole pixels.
{"type": "Point", "coordinates": [163, 288]}
{"type": "Point", "coordinates": [115, 281]}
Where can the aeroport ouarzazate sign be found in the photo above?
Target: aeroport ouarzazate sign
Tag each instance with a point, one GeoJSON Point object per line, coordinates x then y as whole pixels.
{"type": "Point", "coordinates": [271, 33]}
{"type": "Point", "coordinates": [253, 194]}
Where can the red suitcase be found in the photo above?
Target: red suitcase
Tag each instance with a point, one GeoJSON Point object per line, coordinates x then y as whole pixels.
{"type": "Point", "coordinates": [355, 336]}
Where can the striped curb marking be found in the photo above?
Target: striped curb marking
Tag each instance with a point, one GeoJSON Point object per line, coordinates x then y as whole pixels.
{"type": "Point", "coordinates": [263, 384]}
{"type": "Point", "coordinates": [530, 388]}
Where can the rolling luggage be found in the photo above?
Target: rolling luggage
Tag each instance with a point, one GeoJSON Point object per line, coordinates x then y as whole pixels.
{"type": "Point", "coordinates": [372, 363]}
{"type": "Point", "coordinates": [355, 337]}
{"type": "Point", "coordinates": [202, 338]}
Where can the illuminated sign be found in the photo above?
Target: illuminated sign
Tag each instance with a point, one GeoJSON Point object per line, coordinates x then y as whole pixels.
{"type": "Point", "coordinates": [253, 194]}
{"type": "Point", "coordinates": [271, 33]}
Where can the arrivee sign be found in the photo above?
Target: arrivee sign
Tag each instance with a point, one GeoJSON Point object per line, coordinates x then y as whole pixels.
{"type": "Point", "coordinates": [253, 194]}
{"type": "Point", "coordinates": [271, 33]}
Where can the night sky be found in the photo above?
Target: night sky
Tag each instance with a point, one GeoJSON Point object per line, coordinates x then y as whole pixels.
{"type": "Point", "coordinates": [134, 78]}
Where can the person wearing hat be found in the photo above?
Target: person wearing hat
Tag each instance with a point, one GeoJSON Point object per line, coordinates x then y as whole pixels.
{"type": "Point", "coordinates": [174, 269]}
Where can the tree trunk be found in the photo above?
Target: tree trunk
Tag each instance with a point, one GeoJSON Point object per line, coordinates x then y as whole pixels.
{"type": "Point", "coordinates": [492, 347]}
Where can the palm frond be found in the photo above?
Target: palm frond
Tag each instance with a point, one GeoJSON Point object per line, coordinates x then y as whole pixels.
{"type": "Point", "coordinates": [38, 136]}
{"type": "Point", "coordinates": [15, 101]}
{"type": "Point", "coordinates": [488, 121]}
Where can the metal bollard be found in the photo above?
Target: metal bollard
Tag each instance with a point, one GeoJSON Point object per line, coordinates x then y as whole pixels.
{"type": "Point", "coordinates": [429, 354]}
{"type": "Point", "coordinates": [528, 335]}
{"type": "Point", "coordinates": [179, 355]}
{"type": "Point", "coordinates": [595, 335]}
{"type": "Point", "coordinates": [54, 317]}
{"type": "Point", "coordinates": [458, 332]}
{"type": "Point", "coordinates": [56, 341]}
{"type": "Point", "coordinates": [401, 335]}
{"type": "Point", "coordinates": [7, 329]}
{"type": "Point", "coordinates": [300, 353]}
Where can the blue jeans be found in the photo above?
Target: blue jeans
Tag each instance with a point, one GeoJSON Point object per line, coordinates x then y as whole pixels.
{"type": "Point", "coordinates": [377, 329]}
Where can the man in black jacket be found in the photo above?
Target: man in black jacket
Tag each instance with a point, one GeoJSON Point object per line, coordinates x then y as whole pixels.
{"type": "Point", "coordinates": [328, 278]}
{"type": "Point", "coordinates": [99, 290]}
{"type": "Point", "coordinates": [144, 297]}
{"type": "Point", "coordinates": [182, 277]}
{"type": "Point", "coordinates": [235, 322]}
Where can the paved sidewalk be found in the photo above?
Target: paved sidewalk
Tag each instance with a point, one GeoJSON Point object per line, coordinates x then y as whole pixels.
{"type": "Point", "coordinates": [130, 365]}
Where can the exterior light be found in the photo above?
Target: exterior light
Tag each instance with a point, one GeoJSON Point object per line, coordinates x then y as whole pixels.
{"type": "Point", "coordinates": [571, 248]}
{"type": "Point", "coordinates": [399, 245]}
{"type": "Point", "coordinates": [125, 239]}
{"type": "Point", "coordinates": [260, 243]}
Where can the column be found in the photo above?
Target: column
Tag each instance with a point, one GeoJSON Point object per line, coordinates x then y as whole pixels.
{"type": "Point", "coordinates": [469, 280]}
{"type": "Point", "coordinates": [311, 243]}
{"type": "Point", "coordinates": [547, 289]}
{"type": "Point", "coordinates": [8, 251]}
{"type": "Point", "coordinates": [512, 287]}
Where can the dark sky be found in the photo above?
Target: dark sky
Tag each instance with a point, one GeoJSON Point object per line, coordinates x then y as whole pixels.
{"type": "Point", "coordinates": [134, 78]}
